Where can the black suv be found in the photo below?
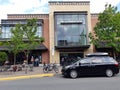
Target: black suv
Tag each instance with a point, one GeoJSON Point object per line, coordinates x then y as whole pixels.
{"type": "Point", "coordinates": [92, 64]}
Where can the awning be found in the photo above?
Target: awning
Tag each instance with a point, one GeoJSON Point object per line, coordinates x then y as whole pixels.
{"type": "Point", "coordinates": [40, 47]}
{"type": "Point", "coordinates": [72, 48]}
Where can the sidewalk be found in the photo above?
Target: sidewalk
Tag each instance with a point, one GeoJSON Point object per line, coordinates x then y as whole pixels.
{"type": "Point", "coordinates": [37, 72]}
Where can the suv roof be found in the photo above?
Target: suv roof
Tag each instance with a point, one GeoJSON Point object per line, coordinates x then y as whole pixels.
{"type": "Point", "coordinates": [97, 54]}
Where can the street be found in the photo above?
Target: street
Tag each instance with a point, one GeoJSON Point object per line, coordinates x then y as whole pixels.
{"type": "Point", "coordinates": [60, 83]}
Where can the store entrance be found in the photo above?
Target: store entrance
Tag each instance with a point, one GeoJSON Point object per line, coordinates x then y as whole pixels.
{"type": "Point", "coordinates": [37, 56]}
{"type": "Point", "coordinates": [67, 58]}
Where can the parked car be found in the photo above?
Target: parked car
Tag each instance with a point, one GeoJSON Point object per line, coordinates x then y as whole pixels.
{"type": "Point", "coordinates": [92, 64]}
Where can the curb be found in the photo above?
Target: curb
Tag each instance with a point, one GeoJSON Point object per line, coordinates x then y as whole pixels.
{"type": "Point", "coordinates": [26, 77]}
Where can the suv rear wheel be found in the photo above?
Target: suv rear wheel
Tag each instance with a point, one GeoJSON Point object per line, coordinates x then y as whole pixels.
{"type": "Point", "coordinates": [109, 73]}
{"type": "Point", "coordinates": [73, 74]}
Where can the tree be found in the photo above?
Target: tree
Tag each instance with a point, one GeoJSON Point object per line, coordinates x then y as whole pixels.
{"type": "Point", "coordinates": [24, 38]}
{"type": "Point", "coordinates": [107, 29]}
{"type": "Point", "coordinates": [16, 43]}
{"type": "Point", "coordinates": [32, 40]}
{"type": "Point", "coordinates": [3, 55]}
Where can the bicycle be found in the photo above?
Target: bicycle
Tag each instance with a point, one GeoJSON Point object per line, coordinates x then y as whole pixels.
{"type": "Point", "coordinates": [50, 67]}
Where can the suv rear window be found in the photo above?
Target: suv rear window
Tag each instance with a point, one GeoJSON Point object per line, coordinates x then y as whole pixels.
{"type": "Point", "coordinates": [108, 59]}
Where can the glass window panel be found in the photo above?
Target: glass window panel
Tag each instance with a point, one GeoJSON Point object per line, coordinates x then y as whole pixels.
{"type": "Point", "coordinates": [96, 60]}
{"type": "Point", "coordinates": [85, 61]}
{"type": "Point", "coordinates": [39, 31]}
{"type": "Point", "coordinates": [75, 17]}
{"type": "Point", "coordinates": [6, 33]}
{"type": "Point", "coordinates": [59, 19]}
{"type": "Point", "coordinates": [67, 18]}
{"type": "Point", "coordinates": [72, 33]}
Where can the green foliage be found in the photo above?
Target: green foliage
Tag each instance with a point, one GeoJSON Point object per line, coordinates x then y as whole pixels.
{"type": "Point", "coordinates": [107, 28]}
{"type": "Point", "coordinates": [3, 57]}
{"type": "Point", "coordinates": [30, 30]}
{"type": "Point", "coordinates": [24, 38]}
{"type": "Point", "coordinates": [16, 44]}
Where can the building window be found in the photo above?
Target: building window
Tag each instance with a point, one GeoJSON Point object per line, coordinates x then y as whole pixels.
{"type": "Point", "coordinates": [39, 31]}
{"type": "Point", "coordinates": [7, 25]}
{"type": "Point", "coordinates": [6, 32]}
{"type": "Point", "coordinates": [70, 29]}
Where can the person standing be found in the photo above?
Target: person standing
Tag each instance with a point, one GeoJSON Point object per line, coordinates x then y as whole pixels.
{"type": "Point", "coordinates": [32, 60]}
{"type": "Point", "coordinates": [36, 61]}
{"type": "Point", "coordinates": [62, 62]}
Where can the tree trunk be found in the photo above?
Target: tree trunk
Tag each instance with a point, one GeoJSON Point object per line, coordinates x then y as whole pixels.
{"type": "Point", "coordinates": [14, 58]}
{"type": "Point", "coordinates": [26, 54]}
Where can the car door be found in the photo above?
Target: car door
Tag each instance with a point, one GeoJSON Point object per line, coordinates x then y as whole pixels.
{"type": "Point", "coordinates": [85, 66]}
{"type": "Point", "coordinates": [97, 65]}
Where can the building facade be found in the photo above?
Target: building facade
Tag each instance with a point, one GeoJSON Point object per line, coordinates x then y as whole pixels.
{"type": "Point", "coordinates": [69, 25]}
{"type": "Point", "coordinates": [65, 30]}
{"type": "Point", "coordinates": [43, 30]}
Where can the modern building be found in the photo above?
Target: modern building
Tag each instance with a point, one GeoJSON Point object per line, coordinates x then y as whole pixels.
{"type": "Point", "coordinates": [65, 30]}
{"type": "Point", "coordinates": [69, 25]}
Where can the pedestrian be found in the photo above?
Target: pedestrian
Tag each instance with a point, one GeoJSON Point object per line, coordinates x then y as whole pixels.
{"type": "Point", "coordinates": [32, 60]}
{"type": "Point", "coordinates": [36, 61]}
{"type": "Point", "coordinates": [62, 62]}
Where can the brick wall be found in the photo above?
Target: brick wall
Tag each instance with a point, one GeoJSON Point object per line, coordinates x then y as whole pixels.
{"type": "Point", "coordinates": [94, 20]}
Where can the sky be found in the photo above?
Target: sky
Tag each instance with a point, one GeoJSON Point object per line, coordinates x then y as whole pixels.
{"type": "Point", "coordinates": [41, 6]}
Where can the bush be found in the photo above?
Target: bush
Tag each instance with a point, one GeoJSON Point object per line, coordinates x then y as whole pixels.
{"type": "Point", "coordinates": [3, 57]}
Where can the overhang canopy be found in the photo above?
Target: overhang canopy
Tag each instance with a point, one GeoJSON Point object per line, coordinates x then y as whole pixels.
{"type": "Point", "coordinates": [40, 47]}
{"type": "Point", "coordinates": [72, 48]}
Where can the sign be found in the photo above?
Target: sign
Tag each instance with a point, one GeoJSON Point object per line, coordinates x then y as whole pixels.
{"type": "Point", "coordinates": [53, 51]}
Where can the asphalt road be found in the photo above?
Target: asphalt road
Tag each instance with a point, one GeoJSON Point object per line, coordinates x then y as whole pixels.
{"type": "Point", "coordinates": [60, 83]}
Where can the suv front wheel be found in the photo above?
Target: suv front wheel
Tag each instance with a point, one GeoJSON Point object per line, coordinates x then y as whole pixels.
{"type": "Point", "coordinates": [109, 73]}
{"type": "Point", "coordinates": [73, 74]}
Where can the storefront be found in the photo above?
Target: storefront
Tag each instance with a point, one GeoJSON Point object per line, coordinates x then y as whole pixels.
{"type": "Point", "coordinates": [69, 28]}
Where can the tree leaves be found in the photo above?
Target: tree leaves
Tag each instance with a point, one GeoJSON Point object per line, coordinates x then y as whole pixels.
{"type": "Point", "coordinates": [107, 28]}
{"type": "Point", "coordinates": [24, 37]}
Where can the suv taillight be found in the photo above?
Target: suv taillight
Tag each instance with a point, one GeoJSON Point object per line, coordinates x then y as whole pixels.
{"type": "Point", "coordinates": [116, 63]}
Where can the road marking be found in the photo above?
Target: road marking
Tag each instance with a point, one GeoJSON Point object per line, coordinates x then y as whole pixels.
{"type": "Point", "coordinates": [25, 77]}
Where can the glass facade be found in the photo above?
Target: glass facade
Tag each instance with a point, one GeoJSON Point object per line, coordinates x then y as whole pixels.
{"type": "Point", "coordinates": [70, 29]}
{"type": "Point", "coordinates": [7, 25]}
{"type": "Point", "coordinates": [6, 31]}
